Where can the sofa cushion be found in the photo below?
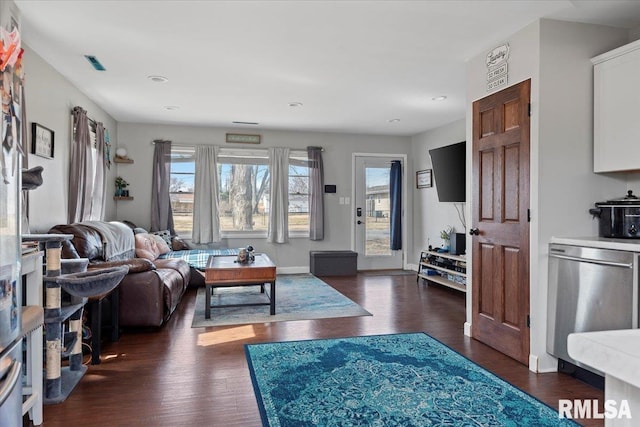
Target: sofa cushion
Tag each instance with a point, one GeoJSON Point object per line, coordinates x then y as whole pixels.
{"type": "Point", "coordinates": [181, 266]}
{"type": "Point", "coordinates": [174, 287]}
{"type": "Point", "coordinates": [136, 265]}
{"type": "Point", "coordinates": [86, 242]}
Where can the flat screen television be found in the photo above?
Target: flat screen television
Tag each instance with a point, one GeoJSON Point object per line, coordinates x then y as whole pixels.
{"type": "Point", "coordinates": [449, 171]}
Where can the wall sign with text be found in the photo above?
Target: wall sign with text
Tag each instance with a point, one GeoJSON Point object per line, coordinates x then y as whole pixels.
{"type": "Point", "coordinates": [498, 67]}
{"type": "Point", "coordinates": [243, 138]}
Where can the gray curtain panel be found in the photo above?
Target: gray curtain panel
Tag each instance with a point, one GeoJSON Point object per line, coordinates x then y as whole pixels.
{"type": "Point", "coordinates": [80, 172]}
{"type": "Point", "coordinates": [206, 217]}
{"type": "Point", "coordinates": [278, 231]}
{"type": "Point", "coordinates": [316, 196]}
{"type": "Point", "coordinates": [161, 215]}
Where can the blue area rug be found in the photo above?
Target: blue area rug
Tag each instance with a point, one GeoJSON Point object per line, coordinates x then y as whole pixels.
{"type": "Point", "coordinates": [384, 380]}
{"type": "Point", "coordinates": [298, 297]}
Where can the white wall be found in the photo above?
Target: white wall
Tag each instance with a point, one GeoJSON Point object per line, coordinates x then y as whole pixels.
{"type": "Point", "coordinates": [432, 216]}
{"type": "Point", "coordinates": [50, 99]}
{"type": "Point", "coordinates": [555, 55]}
{"type": "Point", "coordinates": [523, 64]}
{"type": "Point", "coordinates": [337, 164]}
{"type": "Point", "coordinates": [565, 153]}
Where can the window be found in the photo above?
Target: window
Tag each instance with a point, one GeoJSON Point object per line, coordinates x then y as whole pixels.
{"type": "Point", "coordinates": [244, 184]}
{"type": "Point", "coordinates": [182, 178]}
{"type": "Point", "coordinates": [243, 180]}
{"type": "Point", "coordinates": [298, 193]}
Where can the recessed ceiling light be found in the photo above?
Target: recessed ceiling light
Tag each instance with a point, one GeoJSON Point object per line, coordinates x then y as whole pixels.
{"type": "Point", "coordinates": [439, 98]}
{"type": "Point", "coordinates": [394, 120]}
{"type": "Point", "coordinates": [171, 107]}
{"type": "Point", "coordinates": [158, 79]}
{"type": "Point", "coordinates": [295, 104]}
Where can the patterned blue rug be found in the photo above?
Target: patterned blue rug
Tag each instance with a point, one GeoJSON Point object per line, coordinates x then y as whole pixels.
{"type": "Point", "coordinates": [385, 380]}
{"type": "Point", "coordinates": [298, 297]}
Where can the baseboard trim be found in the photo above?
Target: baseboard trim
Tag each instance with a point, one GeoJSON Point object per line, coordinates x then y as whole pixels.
{"type": "Point", "coordinates": [467, 329]}
{"type": "Point", "coordinates": [292, 270]}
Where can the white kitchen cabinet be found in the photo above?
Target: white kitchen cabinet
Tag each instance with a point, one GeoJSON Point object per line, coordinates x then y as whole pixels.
{"type": "Point", "coordinates": [616, 145]}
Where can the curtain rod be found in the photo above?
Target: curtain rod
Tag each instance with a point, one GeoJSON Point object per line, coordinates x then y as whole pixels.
{"type": "Point", "coordinates": [90, 120]}
{"type": "Point", "coordinates": [178, 144]}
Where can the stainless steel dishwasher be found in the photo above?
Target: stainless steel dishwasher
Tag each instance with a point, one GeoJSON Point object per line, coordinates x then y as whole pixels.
{"type": "Point", "coordinates": [590, 289]}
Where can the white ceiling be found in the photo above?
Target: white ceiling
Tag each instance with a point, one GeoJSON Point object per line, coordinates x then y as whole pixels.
{"type": "Point", "coordinates": [354, 65]}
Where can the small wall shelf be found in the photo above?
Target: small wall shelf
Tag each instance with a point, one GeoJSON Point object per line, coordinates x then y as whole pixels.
{"type": "Point", "coordinates": [122, 160]}
{"type": "Point", "coordinates": [444, 269]}
{"type": "Point", "coordinates": [116, 198]}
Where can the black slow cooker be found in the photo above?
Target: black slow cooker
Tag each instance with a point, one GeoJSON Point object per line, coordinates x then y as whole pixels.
{"type": "Point", "coordinates": [619, 218]}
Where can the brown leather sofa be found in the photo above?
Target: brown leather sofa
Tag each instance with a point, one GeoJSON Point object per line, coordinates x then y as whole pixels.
{"type": "Point", "coordinates": [152, 289]}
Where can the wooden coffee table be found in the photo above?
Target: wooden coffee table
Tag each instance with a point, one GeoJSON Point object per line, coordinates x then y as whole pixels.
{"type": "Point", "coordinates": [222, 271]}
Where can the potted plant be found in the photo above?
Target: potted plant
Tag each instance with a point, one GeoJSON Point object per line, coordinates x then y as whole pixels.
{"type": "Point", "coordinates": [121, 184]}
{"type": "Point", "coordinates": [445, 235]}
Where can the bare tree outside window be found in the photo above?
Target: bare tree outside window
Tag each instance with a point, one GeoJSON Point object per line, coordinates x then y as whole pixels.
{"type": "Point", "coordinates": [244, 183]}
{"type": "Point", "coordinates": [241, 196]}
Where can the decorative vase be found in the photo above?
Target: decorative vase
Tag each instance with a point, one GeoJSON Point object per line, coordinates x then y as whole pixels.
{"type": "Point", "coordinates": [118, 192]}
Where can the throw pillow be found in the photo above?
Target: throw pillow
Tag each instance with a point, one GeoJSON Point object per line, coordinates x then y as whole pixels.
{"type": "Point", "coordinates": [146, 246]}
{"type": "Point", "coordinates": [165, 234]}
{"type": "Point", "coordinates": [161, 244]}
{"type": "Point", "coordinates": [177, 244]}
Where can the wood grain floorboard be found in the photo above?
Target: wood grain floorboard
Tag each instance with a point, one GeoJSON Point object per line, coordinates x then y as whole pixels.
{"type": "Point", "coordinates": [182, 376]}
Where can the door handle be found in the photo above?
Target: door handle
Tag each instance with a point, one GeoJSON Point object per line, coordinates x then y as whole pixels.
{"type": "Point", "coordinates": [474, 232]}
{"type": "Point", "coordinates": [359, 222]}
{"type": "Point", "coordinates": [592, 261]}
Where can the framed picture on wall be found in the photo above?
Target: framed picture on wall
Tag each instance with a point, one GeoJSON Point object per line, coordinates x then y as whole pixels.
{"type": "Point", "coordinates": [423, 179]}
{"type": "Point", "coordinates": [42, 140]}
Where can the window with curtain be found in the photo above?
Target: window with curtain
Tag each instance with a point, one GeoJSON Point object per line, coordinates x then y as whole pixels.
{"type": "Point", "coordinates": [86, 169]}
{"type": "Point", "coordinates": [244, 183]}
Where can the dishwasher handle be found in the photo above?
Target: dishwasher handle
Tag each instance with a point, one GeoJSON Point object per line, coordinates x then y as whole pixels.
{"type": "Point", "coordinates": [593, 261]}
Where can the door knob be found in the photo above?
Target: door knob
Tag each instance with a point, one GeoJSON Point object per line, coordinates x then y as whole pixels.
{"type": "Point", "coordinates": [359, 222]}
{"type": "Point", "coordinates": [474, 232]}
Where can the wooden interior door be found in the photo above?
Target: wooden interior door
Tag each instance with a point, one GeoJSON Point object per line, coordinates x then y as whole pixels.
{"type": "Point", "coordinates": [500, 221]}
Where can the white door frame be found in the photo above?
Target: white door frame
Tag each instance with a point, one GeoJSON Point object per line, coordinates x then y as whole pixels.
{"type": "Point", "coordinates": [405, 191]}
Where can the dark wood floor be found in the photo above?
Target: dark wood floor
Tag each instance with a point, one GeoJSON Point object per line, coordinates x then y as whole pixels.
{"type": "Point", "coordinates": [180, 376]}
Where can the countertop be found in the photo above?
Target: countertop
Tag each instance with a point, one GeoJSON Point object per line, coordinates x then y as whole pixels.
{"type": "Point", "coordinates": [632, 245]}
{"type": "Point", "coordinates": [616, 353]}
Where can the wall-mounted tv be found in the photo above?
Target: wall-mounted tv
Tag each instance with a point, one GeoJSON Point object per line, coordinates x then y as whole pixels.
{"type": "Point", "coordinates": [449, 170]}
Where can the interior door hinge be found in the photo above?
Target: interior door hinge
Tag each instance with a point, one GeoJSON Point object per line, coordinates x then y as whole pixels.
{"type": "Point", "coordinates": [528, 215]}
{"type": "Point", "coordinates": [528, 321]}
{"type": "Point", "coordinates": [529, 109]}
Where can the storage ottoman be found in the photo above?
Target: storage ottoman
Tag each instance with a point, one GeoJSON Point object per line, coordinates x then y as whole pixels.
{"type": "Point", "coordinates": [333, 263]}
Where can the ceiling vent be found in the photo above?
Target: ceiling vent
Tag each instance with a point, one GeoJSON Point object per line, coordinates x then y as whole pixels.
{"type": "Point", "coordinates": [95, 63]}
{"type": "Point", "coordinates": [244, 123]}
